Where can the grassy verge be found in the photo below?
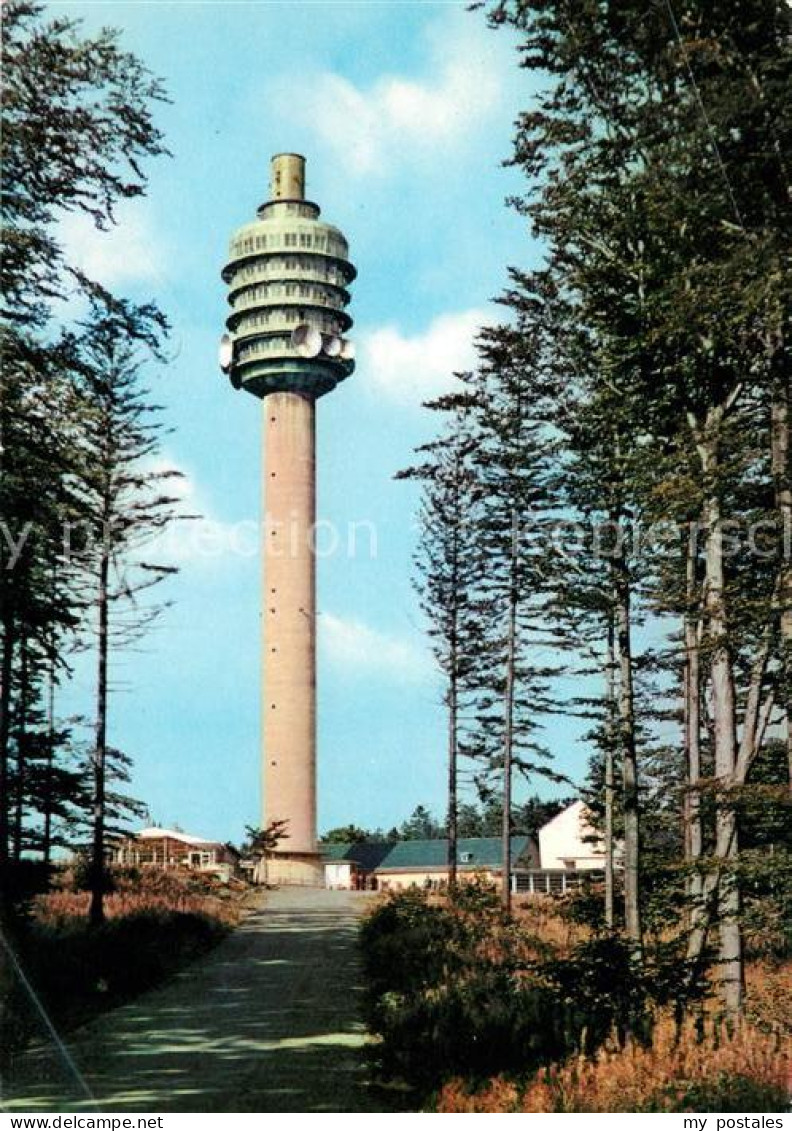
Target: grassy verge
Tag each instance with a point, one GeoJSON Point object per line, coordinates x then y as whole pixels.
{"type": "Point", "coordinates": [156, 924]}
{"type": "Point", "coordinates": [678, 1070]}
{"type": "Point", "coordinates": [475, 1011]}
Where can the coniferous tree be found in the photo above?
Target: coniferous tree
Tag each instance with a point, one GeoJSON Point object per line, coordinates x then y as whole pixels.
{"type": "Point", "coordinates": [451, 567]}
{"type": "Point", "coordinates": [77, 125]}
{"type": "Point", "coordinates": [127, 504]}
{"type": "Point", "coordinates": [647, 149]}
{"type": "Point", "coordinates": [515, 472]}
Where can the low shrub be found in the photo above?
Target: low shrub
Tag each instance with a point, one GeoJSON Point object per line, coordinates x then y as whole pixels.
{"type": "Point", "coordinates": [155, 924]}
{"type": "Point", "coordinates": [77, 969]}
{"type": "Point", "coordinates": [21, 882]}
{"type": "Point", "coordinates": [477, 1024]}
{"type": "Point", "coordinates": [598, 990]}
{"type": "Point", "coordinates": [679, 1070]}
{"type": "Point", "coordinates": [459, 988]}
{"type": "Point", "coordinates": [768, 999]}
{"type": "Point", "coordinates": [66, 910]}
{"type": "Point", "coordinates": [446, 986]}
{"type": "Point", "coordinates": [561, 922]}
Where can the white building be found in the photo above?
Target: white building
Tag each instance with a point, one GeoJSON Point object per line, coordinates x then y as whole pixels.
{"type": "Point", "coordinates": [566, 851]}
{"type": "Point", "coordinates": [170, 848]}
{"type": "Point", "coordinates": [569, 843]}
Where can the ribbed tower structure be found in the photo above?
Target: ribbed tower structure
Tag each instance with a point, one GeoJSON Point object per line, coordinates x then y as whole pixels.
{"type": "Point", "coordinates": [287, 277]}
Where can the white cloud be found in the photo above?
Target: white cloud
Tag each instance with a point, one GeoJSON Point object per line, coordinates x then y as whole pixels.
{"type": "Point", "coordinates": [202, 537]}
{"type": "Point", "coordinates": [398, 119]}
{"type": "Point", "coordinates": [412, 369]}
{"type": "Point", "coordinates": [354, 645]}
{"type": "Point", "coordinates": [128, 252]}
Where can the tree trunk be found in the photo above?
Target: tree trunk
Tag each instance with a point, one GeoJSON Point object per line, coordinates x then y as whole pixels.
{"type": "Point", "coordinates": [610, 738]}
{"type": "Point", "coordinates": [6, 671]}
{"type": "Point", "coordinates": [508, 727]}
{"type": "Point", "coordinates": [46, 838]}
{"type": "Point", "coordinates": [458, 582]}
{"type": "Point", "coordinates": [21, 743]}
{"type": "Point", "coordinates": [629, 760]}
{"type": "Point", "coordinates": [452, 775]}
{"type": "Point", "coordinates": [780, 453]}
{"type": "Point", "coordinates": [724, 736]}
{"type": "Point", "coordinates": [100, 750]}
{"type": "Point", "coordinates": [693, 830]}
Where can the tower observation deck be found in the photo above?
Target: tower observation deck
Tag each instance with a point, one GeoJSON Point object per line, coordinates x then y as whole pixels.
{"type": "Point", "coordinates": [289, 271]}
{"type": "Point", "coordinates": [288, 275]}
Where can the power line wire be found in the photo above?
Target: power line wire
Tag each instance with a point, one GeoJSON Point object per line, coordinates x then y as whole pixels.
{"type": "Point", "coordinates": [704, 115]}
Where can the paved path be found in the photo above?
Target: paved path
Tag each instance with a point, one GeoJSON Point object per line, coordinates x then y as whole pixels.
{"type": "Point", "coordinates": [267, 1022]}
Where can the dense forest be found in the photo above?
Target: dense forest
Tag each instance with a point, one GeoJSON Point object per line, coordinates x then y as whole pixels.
{"type": "Point", "coordinates": [80, 498]}
{"type": "Point", "coordinates": [472, 820]}
{"type": "Point", "coordinates": [605, 535]}
{"type": "Point", "coordinates": [607, 506]}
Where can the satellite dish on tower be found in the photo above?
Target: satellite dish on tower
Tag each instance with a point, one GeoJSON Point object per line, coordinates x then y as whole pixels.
{"type": "Point", "coordinates": [347, 350]}
{"type": "Point", "coordinates": [226, 353]}
{"type": "Point", "coordinates": [331, 345]}
{"type": "Point", "coordinates": [306, 340]}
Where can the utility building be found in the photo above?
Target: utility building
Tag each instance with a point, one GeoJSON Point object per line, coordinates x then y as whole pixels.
{"type": "Point", "coordinates": [288, 275]}
{"type": "Point", "coordinates": [154, 847]}
{"type": "Point", "coordinates": [566, 853]}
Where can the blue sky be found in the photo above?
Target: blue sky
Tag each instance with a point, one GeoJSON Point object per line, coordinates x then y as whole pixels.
{"type": "Point", "coordinates": [404, 112]}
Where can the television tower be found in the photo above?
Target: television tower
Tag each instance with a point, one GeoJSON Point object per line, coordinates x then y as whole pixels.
{"type": "Point", "coordinates": [287, 275]}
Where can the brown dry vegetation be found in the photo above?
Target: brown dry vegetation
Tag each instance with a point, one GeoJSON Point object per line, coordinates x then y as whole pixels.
{"type": "Point", "coordinates": [541, 915]}
{"type": "Point", "coordinates": [768, 1002]}
{"type": "Point", "coordinates": [156, 922]}
{"type": "Point", "coordinates": [750, 1068]}
{"type": "Point", "coordinates": [150, 891]}
{"type": "Point", "coordinates": [768, 981]}
{"type": "Point", "coordinates": [678, 1071]}
{"type": "Point", "coordinates": [542, 1013]}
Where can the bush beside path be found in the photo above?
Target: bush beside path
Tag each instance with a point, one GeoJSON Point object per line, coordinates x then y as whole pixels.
{"type": "Point", "coordinates": [267, 1022]}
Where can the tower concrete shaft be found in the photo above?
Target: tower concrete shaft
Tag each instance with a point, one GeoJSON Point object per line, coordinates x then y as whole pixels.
{"type": "Point", "coordinates": [289, 626]}
{"type": "Point", "coordinates": [288, 275]}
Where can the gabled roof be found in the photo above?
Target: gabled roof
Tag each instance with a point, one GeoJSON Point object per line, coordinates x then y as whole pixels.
{"type": "Point", "coordinates": [403, 855]}
{"type": "Point", "coordinates": [156, 833]}
{"type": "Point", "coordinates": [578, 806]}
